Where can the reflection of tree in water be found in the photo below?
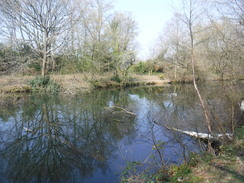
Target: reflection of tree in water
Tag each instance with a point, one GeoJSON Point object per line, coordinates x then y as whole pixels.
{"type": "Point", "coordinates": [178, 107]}
{"type": "Point", "coordinates": [57, 139]}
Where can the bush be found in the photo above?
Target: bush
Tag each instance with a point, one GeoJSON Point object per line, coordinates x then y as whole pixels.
{"type": "Point", "coordinates": [141, 67]}
{"type": "Point", "coordinates": [36, 66]}
{"type": "Point", "coordinates": [44, 84]}
{"type": "Point", "coordinates": [73, 64]}
{"type": "Point", "coordinates": [149, 66]}
{"type": "Point", "coordinates": [116, 78]}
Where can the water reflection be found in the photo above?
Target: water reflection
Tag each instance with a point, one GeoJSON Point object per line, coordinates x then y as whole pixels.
{"type": "Point", "coordinates": [51, 139]}
{"type": "Point", "coordinates": [82, 139]}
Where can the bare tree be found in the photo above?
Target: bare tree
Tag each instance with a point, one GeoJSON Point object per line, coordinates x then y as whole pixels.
{"type": "Point", "coordinates": [192, 13]}
{"type": "Point", "coordinates": [122, 33]}
{"type": "Point", "coordinates": [106, 37]}
{"type": "Point", "coordinates": [230, 15]}
{"type": "Point", "coordinates": [95, 18]}
{"type": "Point", "coordinates": [217, 50]}
{"type": "Point", "coordinates": [174, 48]}
{"type": "Point", "coordinates": [42, 24]}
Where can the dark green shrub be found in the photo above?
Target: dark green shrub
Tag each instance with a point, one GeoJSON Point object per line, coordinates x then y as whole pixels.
{"type": "Point", "coordinates": [52, 86]}
{"type": "Point", "coordinates": [36, 66]}
{"type": "Point", "coordinates": [44, 84]}
{"type": "Point", "coordinates": [116, 78]}
{"type": "Point", "coordinates": [239, 133]}
{"type": "Point", "coordinates": [39, 82]}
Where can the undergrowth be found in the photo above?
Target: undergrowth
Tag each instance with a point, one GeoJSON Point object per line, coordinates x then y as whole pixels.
{"type": "Point", "coordinates": [45, 84]}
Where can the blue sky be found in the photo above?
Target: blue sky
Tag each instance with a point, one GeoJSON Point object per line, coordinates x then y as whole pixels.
{"type": "Point", "coordinates": [151, 16]}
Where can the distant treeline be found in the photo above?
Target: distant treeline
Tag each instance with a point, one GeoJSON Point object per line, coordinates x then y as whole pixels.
{"type": "Point", "coordinates": [43, 36]}
{"type": "Point", "coordinates": [66, 36]}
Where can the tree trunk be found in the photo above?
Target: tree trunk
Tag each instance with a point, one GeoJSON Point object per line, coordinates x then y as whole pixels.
{"type": "Point", "coordinates": [44, 58]}
{"type": "Point", "coordinates": [193, 63]}
{"type": "Point", "coordinates": [44, 64]}
{"type": "Point", "coordinates": [205, 110]}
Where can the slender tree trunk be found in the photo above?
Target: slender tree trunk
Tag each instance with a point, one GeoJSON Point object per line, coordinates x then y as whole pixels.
{"type": "Point", "coordinates": [206, 114]}
{"type": "Point", "coordinates": [204, 106]}
{"type": "Point", "coordinates": [44, 58]}
{"type": "Point", "coordinates": [44, 64]}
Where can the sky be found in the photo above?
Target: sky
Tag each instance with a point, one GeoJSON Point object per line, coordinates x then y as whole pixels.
{"type": "Point", "coordinates": [151, 16]}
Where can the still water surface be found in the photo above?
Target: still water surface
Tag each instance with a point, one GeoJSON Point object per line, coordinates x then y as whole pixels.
{"type": "Point", "coordinates": [84, 138]}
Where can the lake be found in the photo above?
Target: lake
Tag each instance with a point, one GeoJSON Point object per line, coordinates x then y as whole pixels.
{"type": "Point", "coordinates": [94, 137]}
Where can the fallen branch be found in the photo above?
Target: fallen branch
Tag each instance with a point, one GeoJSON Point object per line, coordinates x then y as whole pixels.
{"type": "Point", "coordinates": [124, 110]}
{"type": "Point", "coordinates": [202, 135]}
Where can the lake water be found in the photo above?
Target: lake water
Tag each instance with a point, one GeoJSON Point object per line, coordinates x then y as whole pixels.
{"type": "Point", "coordinates": [91, 138]}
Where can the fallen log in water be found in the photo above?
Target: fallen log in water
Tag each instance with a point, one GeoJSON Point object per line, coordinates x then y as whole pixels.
{"type": "Point", "coordinates": [202, 135]}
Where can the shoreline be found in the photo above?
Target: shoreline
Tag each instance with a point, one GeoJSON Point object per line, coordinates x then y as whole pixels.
{"type": "Point", "coordinates": [76, 83]}
{"type": "Point", "coordinates": [82, 83]}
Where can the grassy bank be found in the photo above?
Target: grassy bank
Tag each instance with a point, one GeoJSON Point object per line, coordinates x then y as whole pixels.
{"type": "Point", "coordinates": [226, 167]}
{"type": "Point", "coordinates": [73, 83]}
{"type": "Point", "coordinates": [20, 84]}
